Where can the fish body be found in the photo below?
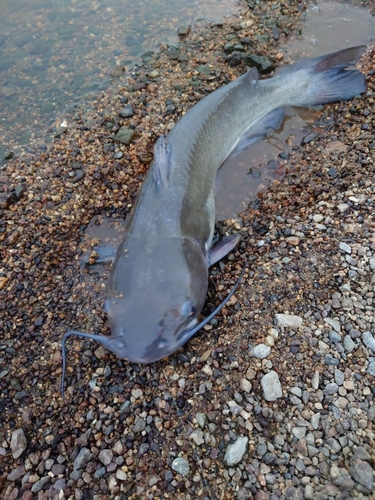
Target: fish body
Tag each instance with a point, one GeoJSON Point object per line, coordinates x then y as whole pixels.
{"type": "Point", "coordinates": [159, 278]}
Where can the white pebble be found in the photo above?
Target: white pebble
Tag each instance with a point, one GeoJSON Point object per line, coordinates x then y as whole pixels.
{"type": "Point", "coordinates": [271, 386]}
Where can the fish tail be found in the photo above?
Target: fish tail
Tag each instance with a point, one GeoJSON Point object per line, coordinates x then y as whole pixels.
{"type": "Point", "coordinates": [329, 78]}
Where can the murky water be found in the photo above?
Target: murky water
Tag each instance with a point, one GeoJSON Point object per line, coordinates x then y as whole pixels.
{"type": "Point", "coordinates": [328, 27]}
{"type": "Point", "coordinates": [53, 52]}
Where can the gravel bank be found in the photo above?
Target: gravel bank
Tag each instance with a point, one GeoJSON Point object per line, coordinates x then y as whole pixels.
{"type": "Point", "coordinates": [274, 399]}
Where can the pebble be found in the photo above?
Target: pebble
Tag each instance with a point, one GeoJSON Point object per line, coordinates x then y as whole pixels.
{"type": "Point", "coordinates": [105, 456]}
{"type": "Point", "coordinates": [271, 386]}
{"type": "Point", "coordinates": [139, 425]}
{"type": "Point", "coordinates": [348, 343]}
{"type": "Point", "coordinates": [362, 473]}
{"type": "Point", "coordinates": [18, 443]}
{"type": "Point", "coordinates": [83, 458]}
{"type": "Point", "coordinates": [235, 451]}
{"type": "Point", "coordinates": [334, 323]}
{"type": "Point", "coordinates": [368, 340]}
{"type": "Point", "coordinates": [260, 351]}
{"type": "Point", "coordinates": [345, 247]}
{"type": "Point", "coordinates": [125, 135]}
{"type": "Point", "coordinates": [288, 320]}
{"type": "Point", "coordinates": [181, 466]}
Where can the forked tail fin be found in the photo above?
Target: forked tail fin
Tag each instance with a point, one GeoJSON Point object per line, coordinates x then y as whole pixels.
{"type": "Point", "coordinates": [326, 79]}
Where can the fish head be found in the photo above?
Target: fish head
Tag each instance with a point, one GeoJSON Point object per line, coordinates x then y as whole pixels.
{"type": "Point", "coordinates": [155, 295]}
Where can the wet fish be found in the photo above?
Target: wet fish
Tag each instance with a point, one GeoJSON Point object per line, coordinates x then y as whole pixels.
{"type": "Point", "coordinates": [159, 278]}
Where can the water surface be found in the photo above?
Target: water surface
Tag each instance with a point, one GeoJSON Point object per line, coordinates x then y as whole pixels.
{"type": "Point", "coordinates": [53, 52]}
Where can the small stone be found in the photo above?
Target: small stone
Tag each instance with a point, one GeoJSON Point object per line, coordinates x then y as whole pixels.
{"type": "Point", "coordinates": [330, 389]}
{"type": "Point", "coordinates": [260, 351]}
{"type": "Point", "coordinates": [105, 456]}
{"type": "Point", "coordinates": [330, 360]}
{"type": "Point", "coordinates": [127, 111]}
{"type": "Point", "coordinates": [38, 485]}
{"type": "Point", "coordinates": [201, 419]}
{"type": "Point", "coordinates": [349, 345]}
{"type": "Point", "coordinates": [288, 320]}
{"type": "Point", "coordinates": [314, 420]}
{"type": "Point", "coordinates": [315, 380]}
{"type": "Point", "coordinates": [83, 458]}
{"type": "Point", "coordinates": [318, 218]}
{"type": "Point", "coordinates": [139, 424]}
{"type": "Point", "coordinates": [293, 240]}
{"type": "Point", "coordinates": [181, 466]}
{"type": "Point", "coordinates": [125, 135]}
{"type": "Point", "coordinates": [362, 473]}
{"type": "Point", "coordinates": [368, 340]}
{"type": "Point", "coordinates": [245, 385]}
{"type": "Point", "coordinates": [361, 453]}
{"type": "Point", "coordinates": [271, 386]}
{"type": "Point", "coordinates": [371, 368]}
{"type": "Point", "coordinates": [197, 437]}
{"type": "Point", "coordinates": [334, 323]}
{"type": "Point", "coordinates": [345, 247]}
{"type": "Point", "coordinates": [342, 207]}
{"type": "Point", "coordinates": [18, 443]}
{"type": "Point", "coordinates": [334, 337]}
{"type": "Point", "coordinates": [339, 377]}
{"type": "Point", "coordinates": [299, 432]}
{"type": "Point", "coordinates": [16, 473]}
{"type": "Point", "coordinates": [236, 451]}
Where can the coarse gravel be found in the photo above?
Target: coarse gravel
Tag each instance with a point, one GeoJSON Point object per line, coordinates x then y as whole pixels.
{"type": "Point", "coordinates": [202, 423]}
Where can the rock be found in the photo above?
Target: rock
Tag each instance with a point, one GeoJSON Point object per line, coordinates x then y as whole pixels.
{"type": "Point", "coordinates": [368, 340]}
{"type": "Point", "coordinates": [105, 456]}
{"type": "Point", "coordinates": [334, 323]}
{"type": "Point", "coordinates": [18, 443]}
{"type": "Point", "coordinates": [361, 453]}
{"type": "Point", "coordinates": [260, 351]}
{"type": "Point", "coordinates": [183, 30]}
{"type": "Point", "coordinates": [127, 111]}
{"type": "Point", "coordinates": [288, 320]}
{"type": "Point", "coordinates": [125, 135]}
{"type": "Point", "coordinates": [181, 466]}
{"type": "Point", "coordinates": [262, 63]}
{"type": "Point", "coordinates": [197, 437]}
{"type": "Point", "coordinates": [299, 432]}
{"type": "Point", "coordinates": [83, 458]}
{"type": "Point", "coordinates": [271, 386]}
{"type": "Point", "coordinates": [362, 473]}
{"type": "Point", "coordinates": [371, 368]}
{"type": "Point", "coordinates": [235, 451]}
{"type": "Point", "coordinates": [339, 377]}
{"type": "Point", "coordinates": [16, 473]}
{"type": "Point", "coordinates": [336, 146]}
{"type": "Point", "coordinates": [245, 385]}
{"type": "Point", "coordinates": [38, 485]}
{"type": "Point", "coordinates": [330, 389]}
{"type": "Point", "coordinates": [345, 247]}
{"type": "Point", "coordinates": [349, 345]}
{"type": "Point", "coordinates": [139, 424]}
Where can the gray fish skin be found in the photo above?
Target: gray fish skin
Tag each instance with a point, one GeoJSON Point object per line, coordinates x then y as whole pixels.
{"type": "Point", "coordinates": [158, 282]}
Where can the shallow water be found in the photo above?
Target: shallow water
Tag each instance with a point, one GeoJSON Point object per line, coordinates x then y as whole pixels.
{"type": "Point", "coordinates": [54, 52]}
{"type": "Point", "coordinates": [327, 27]}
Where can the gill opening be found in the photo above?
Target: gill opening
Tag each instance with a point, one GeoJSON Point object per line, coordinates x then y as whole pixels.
{"type": "Point", "coordinates": [187, 334]}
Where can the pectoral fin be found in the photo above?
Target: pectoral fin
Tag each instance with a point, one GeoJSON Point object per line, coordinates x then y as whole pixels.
{"type": "Point", "coordinates": [260, 130]}
{"type": "Point", "coordinates": [222, 247]}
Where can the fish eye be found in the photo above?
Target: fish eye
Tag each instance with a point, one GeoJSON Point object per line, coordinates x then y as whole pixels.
{"type": "Point", "coordinates": [188, 309]}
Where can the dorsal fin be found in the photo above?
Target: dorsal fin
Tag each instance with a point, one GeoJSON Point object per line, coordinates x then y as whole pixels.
{"type": "Point", "coordinates": [251, 76]}
{"type": "Point", "coordinates": [161, 161]}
